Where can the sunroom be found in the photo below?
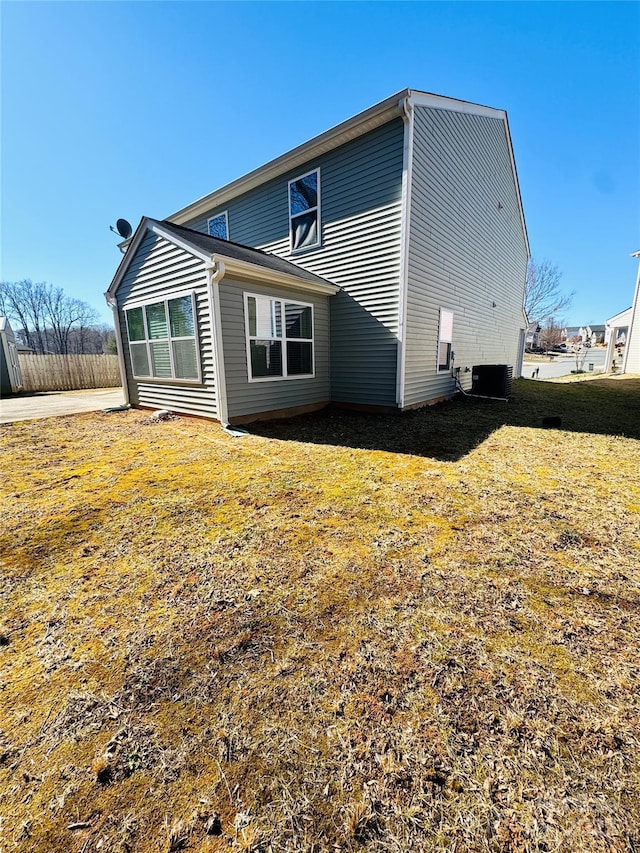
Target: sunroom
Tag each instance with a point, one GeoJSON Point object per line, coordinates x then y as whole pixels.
{"type": "Point", "coordinates": [212, 328]}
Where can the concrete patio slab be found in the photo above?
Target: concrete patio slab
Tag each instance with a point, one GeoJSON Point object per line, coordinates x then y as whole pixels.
{"type": "Point", "coordinates": [55, 403]}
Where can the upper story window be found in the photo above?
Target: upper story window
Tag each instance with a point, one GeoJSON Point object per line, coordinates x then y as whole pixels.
{"type": "Point", "coordinates": [304, 211]}
{"type": "Point", "coordinates": [162, 339]}
{"type": "Point", "coordinates": [279, 338]}
{"type": "Point", "coordinates": [445, 339]}
{"type": "Point", "coordinates": [218, 226]}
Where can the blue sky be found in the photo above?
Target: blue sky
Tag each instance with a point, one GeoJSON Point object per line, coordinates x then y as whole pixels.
{"type": "Point", "coordinates": [119, 109]}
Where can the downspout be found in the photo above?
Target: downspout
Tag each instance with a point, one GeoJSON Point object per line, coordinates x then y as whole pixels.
{"type": "Point", "coordinates": [113, 304]}
{"type": "Point", "coordinates": [406, 111]}
{"type": "Point", "coordinates": [215, 273]}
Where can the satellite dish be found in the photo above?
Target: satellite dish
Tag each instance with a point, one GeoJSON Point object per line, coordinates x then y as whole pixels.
{"type": "Point", "coordinates": [124, 229]}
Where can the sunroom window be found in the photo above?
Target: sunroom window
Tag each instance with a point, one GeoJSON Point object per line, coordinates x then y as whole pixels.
{"type": "Point", "coordinates": [162, 339]}
{"type": "Point", "coordinates": [279, 338]}
{"type": "Point", "coordinates": [218, 226]}
{"type": "Point", "coordinates": [304, 211]}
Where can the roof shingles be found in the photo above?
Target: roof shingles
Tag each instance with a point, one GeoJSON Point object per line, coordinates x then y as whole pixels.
{"type": "Point", "coordinates": [239, 252]}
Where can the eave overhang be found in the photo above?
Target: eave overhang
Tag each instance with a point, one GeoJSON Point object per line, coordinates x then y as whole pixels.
{"type": "Point", "coordinates": [263, 275]}
{"type": "Point", "coordinates": [375, 116]}
{"type": "Point", "coordinates": [225, 265]}
{"type": "Point", "coordinates": [342, 133]}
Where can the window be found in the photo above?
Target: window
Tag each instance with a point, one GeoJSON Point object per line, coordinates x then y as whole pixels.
{"type": "Point", "coordinates": [304, 211]}
{"type": "Point", "coordinates": [279, 338]}
{"type": "Point", "coordinates": [445, 339]}
{"type": "Point", "coordinates": [162, 339]}
{"type": "Point", "coordinates": [218, 226]}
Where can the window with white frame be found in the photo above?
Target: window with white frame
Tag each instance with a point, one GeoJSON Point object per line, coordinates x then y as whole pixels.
{"type": "Point", "coordinates": [218, 226]}
{"type": "Point", "coordinates": [279, 338]}
{"type": "Point", "coordinates": [304, 211]}
{"type": "Point", "coordinates": [162, 339]}
{"type": "Point", "coordinates": [445, 339]}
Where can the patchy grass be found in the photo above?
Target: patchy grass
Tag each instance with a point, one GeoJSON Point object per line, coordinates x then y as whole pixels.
{"type": "Point", "coordinates": [340, 633]}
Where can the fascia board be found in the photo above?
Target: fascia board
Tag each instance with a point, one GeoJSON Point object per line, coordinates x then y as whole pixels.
{"type": "Point", "coordinates": [438, 102]}
{"type": "Point", "coordinates": [620, 319]}
{"type": "Point", "coordinates": [424, 99]}
{"type": "Point", "coordinates": [264, 275]}
{"type": "Point", "coordinates": [134, 243]}
{"type": "Point", "coordinates": [517, 183]}
{"type": "Point", "coordinates": [147, 224]}
{"type": "Point", "coordinates": [342, 133]}
{"type": "Point", "coordinates": [181, 242]}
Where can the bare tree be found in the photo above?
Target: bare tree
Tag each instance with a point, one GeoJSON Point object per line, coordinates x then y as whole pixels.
{"type": "Point", "coordinates": [65, 314]}
{"type": "Point", "coordinates": [24, 302]}
{"type": "Point", "coordinates": [551, 333]}
{"type": "Point", "coordinates": [45, 318]}
{"type": "Point", "coordinates": [543, 297]}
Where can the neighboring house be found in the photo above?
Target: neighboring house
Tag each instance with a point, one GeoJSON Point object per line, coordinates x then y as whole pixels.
{"type": "Point", "coordinates": [569, 333]}
{"type": "Point", "coordinates": [362, 268]}
{"type": "Point", "coordinates": [590, 335]}
{"type": "Point", "coordinates": [595, 334]}
{"type": "Point", "coordinates": [10, 375]}
{"type": "Point", "coordinates": [617, 333]}
{"type": "Point", "coordinates": [532, 338]}
{"type": "Point", "coordinates": [631, 320]}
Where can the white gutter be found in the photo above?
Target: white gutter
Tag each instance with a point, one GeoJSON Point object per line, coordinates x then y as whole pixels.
{"type": "Point", "coordinates": [344, 132]}
{"type": "Point", "coordinates": [267, 275]}
{"type": "Point", "coordinates": [113, 304]}
{"type": "Point", "coordinates": [215, 272]}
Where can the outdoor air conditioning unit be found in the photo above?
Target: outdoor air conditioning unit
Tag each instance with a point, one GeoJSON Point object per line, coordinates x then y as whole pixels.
{"type": "Point", "coordinates": [492, 380]}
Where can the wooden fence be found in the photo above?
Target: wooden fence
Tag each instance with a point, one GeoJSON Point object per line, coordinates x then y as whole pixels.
{"type": "Point", "coordinates": [68, 372]}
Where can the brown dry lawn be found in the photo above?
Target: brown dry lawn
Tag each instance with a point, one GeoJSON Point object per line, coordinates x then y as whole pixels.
{"type": "Point", "coordinates": [341, 633]}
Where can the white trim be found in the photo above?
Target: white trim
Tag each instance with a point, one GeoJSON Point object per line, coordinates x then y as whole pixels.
{"type": "Point", "coordinates": [113, 304]}
{"type": "Point", "coordinates": [225, 214]}
{"type": "Point", "coordinates": [233, 265]}
{"type": "Point", "coordinates": [283, 339]}
{"type": "Point", "coordinates": [181, 242]}
{"type": "Point", "coordinates": [311, 150]}
{"type": "Point", "coordinates": [148, 225]}
{"type": "Point", "coordinates": [317, 208]}
{"type": "Point", "coordinates": [342, 133]}
{"type": "Point", "coordinates": [441, 340]}
{"type": "Point", "coordinates": [134, 245]}
{"type": "Point", "coordinates": [215, 273]}
{"type": "Point", "coordinates": [403, 298]}
{"type": "Point", "coordinates": [270, 276]}
{"type": "Point", "coordinates": [150, 300]}
{"type": "Point", "coordinates": [440, 102]}
{"type": "Point", "coordinates": [634, 324]}
{"type": "Point", "coordinates": [517, 184]}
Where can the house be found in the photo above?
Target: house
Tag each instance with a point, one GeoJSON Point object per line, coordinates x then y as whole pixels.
{"type": "Point", "coordinates": [570, 333]}
{"type": "Point", "coordinates": [595, 334]}
{"type": "Point", "coordinates": [366, 267]}
{"type": "Point", "coordinates": [532, 337]}
{"type": "Point", "coordinates": [617, 332]}
{"type": "Point", "coordinates": [10, 375]}
{"type": "Point", "coordinates": [624, 335]}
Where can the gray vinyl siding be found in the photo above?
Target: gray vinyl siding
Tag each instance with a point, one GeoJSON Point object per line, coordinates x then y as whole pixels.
{"type": "Point", "coordinates": [464, 252]}
{"type": "Point", "coordinates": [361, 189]}
{"type": "Point", "coordinates": [159, 270]}
{"type": "Point", "coordinates": [247, 398]}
